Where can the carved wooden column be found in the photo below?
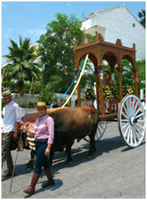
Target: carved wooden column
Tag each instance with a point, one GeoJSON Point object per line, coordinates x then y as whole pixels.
{"type": "Point", "coordinates": [119, 69]}
{"type": "Point", "coordinates": [99, 68]}
{"type": "Point", "coordinates": [135, 71]}
{"type": "Point", "coordinates": [97, 93]}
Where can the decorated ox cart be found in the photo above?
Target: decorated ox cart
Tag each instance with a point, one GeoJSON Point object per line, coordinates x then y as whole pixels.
{"type": "Point", "coordinates": [89, 122]}
{"type": "Point", "coordinates": [128, 111]}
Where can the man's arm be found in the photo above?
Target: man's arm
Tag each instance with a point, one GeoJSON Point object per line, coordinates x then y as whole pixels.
{"type": "Point", "coordinates": [18, 120]}
{"type": "Point", "coordinates": [16, 130]}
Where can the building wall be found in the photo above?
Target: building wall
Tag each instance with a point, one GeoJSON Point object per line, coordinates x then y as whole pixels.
{"type": "Point", "coordinates": [118, 22]}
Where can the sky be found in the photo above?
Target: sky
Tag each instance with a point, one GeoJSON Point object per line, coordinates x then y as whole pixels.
{"type": "Point", "coordinates": [28, 19]}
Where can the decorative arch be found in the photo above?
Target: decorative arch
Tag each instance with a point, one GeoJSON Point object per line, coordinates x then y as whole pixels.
{"type": "Point", "coordinates": [111, 58]}
{"type": "Point", "coordinates": [127, 57]}
{"type": "Point", "coordinates": [100, 50]}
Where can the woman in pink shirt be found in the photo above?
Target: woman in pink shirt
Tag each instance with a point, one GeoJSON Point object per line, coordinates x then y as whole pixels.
{"type": "Point", "coordinates": [44, 135]}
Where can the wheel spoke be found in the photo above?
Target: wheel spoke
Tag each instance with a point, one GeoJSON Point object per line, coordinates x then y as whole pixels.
{"type": "Point", "coordinates": [141, 120]}
{"type": "Point", "coordinates": [131, 136]}
{"type": "Point", "coordinates": [101, 126]}
{"type": "Point", "coordinates": [141, 114]}
{"type": "Point", "coordinates": [126, 131]}
{"type": "Point", "coordinates": [127, 110]}
{"type": "Point", "coordinates": [130, 105]}
{"type": "Point", "coordinates": [138, 125]}
{"type": "Point", "coordinates": [125, 115]}
{"type": "Point", "coordinates": [127, 106]}
{"type": "Point", "coordinates": [139, 131]}
{"type": "Point", "coordinates": [133, 104]}
{"type": "Point", "coordinates": [124, 126]}
{"type": "Point", "coordinates": [135, 107]}
{"type": "Point", "coordinates": [128, 136]}
{"type": "Point", "coordinates": [98, 130]}
{"type": "Point", "coordinates": [137, 111]}
{"type": "Point", "coordinates": [134, 135]}
{"type": "Point", "coordinates": [96, 135]}
{"type": "Point", "coordinates": [125, 120]}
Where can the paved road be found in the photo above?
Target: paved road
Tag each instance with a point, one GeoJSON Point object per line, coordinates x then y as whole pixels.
{"type": "Point", "coordinates": [116, 171]}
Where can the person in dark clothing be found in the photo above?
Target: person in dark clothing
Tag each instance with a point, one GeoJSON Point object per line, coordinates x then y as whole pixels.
{"type": "Point", "coordinates": [56, 104]}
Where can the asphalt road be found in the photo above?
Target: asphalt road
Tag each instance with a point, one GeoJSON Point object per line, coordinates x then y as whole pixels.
{"type": "Point", "coordinates": [116, 171]}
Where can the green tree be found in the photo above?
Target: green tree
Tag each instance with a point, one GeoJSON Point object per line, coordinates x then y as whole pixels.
{"type": "Point", "coordinates": [21, 65]}
{"type": "Point", "coordinates": [140, 64]}
{"type": "Point", "coordinates": [57, 50]}
{"type": "Point", "coordinates": [142, 15]}
{"type": "Point", "coordinates": [47, 93]}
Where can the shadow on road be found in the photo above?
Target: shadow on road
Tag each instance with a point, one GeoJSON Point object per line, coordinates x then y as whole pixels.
{"type": "Point", "coordinates": [79, 155]}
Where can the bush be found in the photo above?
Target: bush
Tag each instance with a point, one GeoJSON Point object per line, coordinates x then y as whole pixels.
{"type": "Point", "coordinates": [107, 94]}
{"type": "Point", "coordinates": [11, 85]}
{"type": "Point", "coordinates": [114, 92]}
{"type": "Point", "coordinates": [27, 87]}
{"type": "Point", "coordinates": [22, 102]}
{"type": "Point", "coordinates": [89, 94]}
{"type": "Point", "coordinates": [127, 89]}
{"type": "Point", "coordinates": [36, 87]}
{"type": "Point", "coordinates": [47, 94]}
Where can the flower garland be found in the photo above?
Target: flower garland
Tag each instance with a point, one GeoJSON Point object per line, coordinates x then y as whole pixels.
{"type": "Point", "coordinates": [114, 93]}
{"type": "Point", "coordinates": [127, 89]}
{"type": "Point", "coordinates": [89, 94]}
{"type": "Point", "coordinates": [107, 94]}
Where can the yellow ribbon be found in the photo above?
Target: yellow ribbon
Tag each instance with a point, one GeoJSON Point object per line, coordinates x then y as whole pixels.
{"type": "Point", "coordinates": [77, 82]}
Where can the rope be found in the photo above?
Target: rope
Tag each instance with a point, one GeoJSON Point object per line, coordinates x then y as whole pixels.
{"type": "Point", "coordinates": [29, 115]}
{"type": "Point", "coordinates": [70, 85]}
{"type": "Point", "coordinates": [64, 93]}
{"type": "Point", "coordinates": [19, 139]}
{"type": "Point", "coordinates": [77, 81]}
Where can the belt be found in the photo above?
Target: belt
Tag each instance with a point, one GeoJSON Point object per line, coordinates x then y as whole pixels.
{"type": "Point", "coordinates": [40, 139]}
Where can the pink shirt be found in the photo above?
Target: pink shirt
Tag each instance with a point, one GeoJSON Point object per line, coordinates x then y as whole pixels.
{"type": "Point", "coordinates": [44, 129]}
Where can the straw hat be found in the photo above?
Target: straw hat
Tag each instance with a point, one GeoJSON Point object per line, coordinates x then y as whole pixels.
{"type": "Point", "coordinates": [6, 93]}
{"type": "Point", "coordinates": [41, 104]}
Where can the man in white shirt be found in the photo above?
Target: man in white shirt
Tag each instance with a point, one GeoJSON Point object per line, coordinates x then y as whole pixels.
{"type": "Point", "coordinates": [11, 123]}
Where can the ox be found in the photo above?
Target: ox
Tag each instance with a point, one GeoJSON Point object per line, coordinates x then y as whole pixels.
{"type": "Point", "coordinates": [71, 124]}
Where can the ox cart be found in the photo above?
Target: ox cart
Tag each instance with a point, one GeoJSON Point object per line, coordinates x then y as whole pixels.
{"type": "Point", "coordinates": [90, 123]}
{"type": "Point", "coordinates": [128, 111]}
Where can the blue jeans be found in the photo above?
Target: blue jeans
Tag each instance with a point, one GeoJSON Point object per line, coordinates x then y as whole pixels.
{"type": "Point", "coordinates": [41, 158]}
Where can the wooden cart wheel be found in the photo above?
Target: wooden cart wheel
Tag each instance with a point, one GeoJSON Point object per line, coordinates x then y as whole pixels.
{"type": "Point", "coordinates": [131, 120]}
{"type": "Point", "coordinates": [101, 127]}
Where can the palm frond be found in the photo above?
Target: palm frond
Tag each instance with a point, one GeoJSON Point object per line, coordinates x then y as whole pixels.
{"type": "Point", "coordinates": [20, 41]}
{"type": "Point", "coordinates": [13, 43]}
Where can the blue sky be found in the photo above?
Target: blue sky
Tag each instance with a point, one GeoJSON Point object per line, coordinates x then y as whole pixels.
{"type": "Point", "coordinates": [29, 18]}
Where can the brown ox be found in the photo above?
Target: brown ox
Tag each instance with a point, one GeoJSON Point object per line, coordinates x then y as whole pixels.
{"type": "Point", "coordinates": [71, 124]}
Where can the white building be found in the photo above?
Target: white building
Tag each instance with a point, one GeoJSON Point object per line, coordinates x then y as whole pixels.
{"type": "Point", "coordinates": [117, 22]}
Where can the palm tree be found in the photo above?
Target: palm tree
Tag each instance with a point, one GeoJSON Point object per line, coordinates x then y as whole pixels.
{"type": "Point", "coordinates": [21, 63]}
{"type": "Point", "coordinates": [142, 16]}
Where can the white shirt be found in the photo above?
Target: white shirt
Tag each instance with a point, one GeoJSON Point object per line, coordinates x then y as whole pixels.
{"type": "Point", "coordinates": [11, 116]}
{"type": "Point", "coordinates": [144, 105]}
